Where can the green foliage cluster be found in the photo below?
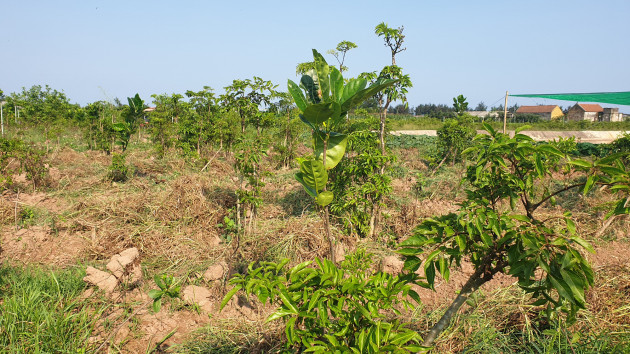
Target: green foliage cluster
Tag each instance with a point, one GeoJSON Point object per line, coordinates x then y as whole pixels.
{"type": "Point", "coordinates": [328, 309]}
{"type": "Point", "coordinates": [119, 171]}
{"type": "Point", "coordinates": [166, 288]}
{"type": "Point", "coordinates": [18, 157]}
{"type": "Point", "coordinates": [454, 137]}
{"type": "Point", "coordinates": [358, 185]}
{"type": "Point", "coordinates": [248, 156]}
{"type": "Point", "coordinates": [324, 100]}
{"type": "Point", "coordinates": [499, 237]}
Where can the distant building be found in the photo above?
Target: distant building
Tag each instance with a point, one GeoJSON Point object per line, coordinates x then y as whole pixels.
{"type": "Point", "coordinates": [483, 114]}
{"type": "Point", "coordinates": [548, 112]}
{"type": "Point", "coordinates": [583, 111]}
{"type": "Point", "coordinates": [612, 115]}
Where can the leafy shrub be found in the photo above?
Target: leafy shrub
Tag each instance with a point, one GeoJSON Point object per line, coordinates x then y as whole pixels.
{"type": "Point", "coordinates": [167, 288]}
{"type": "Point", "coordinates": [118, 171]}
{"type": "Point", "coordinates": [327, 309]}
{"type": "Point", "coordinates": [358, 185]}
{"type": "Point", "coordinates": [17, 157]}
{"type": "Point", "coordinates": [454, 137]}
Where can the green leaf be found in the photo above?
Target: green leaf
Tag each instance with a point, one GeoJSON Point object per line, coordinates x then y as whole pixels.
{"type": "Point", "coordinates": [155, 294]}
{"type": "Point", "coordinates": [412, 264]}
{"type": "Point", "coordinates": [290, 330]}
{"type": "Point", "coordinates": [521, 128]}
{"type": "Point", "coordinates": [539, 166]}
{"type": "Point", "coordinates": [228, 296]}
{"type": "Point", "coordinates": [587, 246]}
{"type": "Point", "coordinates": [279, 314]}
{"type": "Point", "coordinates": [311, 87]}
{"type": "Point", "coordinates": [520, 217]}
{"type": "Point", "coordinates": [297, 94]}
{"type": "Point", "coordinates": [157, 305]}
{"type": "Point", "coordinates": [324, 198]}
{"type": "Point", "coordinates": [159, 281]}
{"type": "Point", "coordinates": [486, 238]}
{"type": "Point", "coordinates": [570, 226]}
{"type": "Point", "coordinates": [323, 74]}
{"type": "Point", "coordinates": [286, 300]}
{"type": "Point", "coordinates": [581, 163]}
{"type": "Point", "coordinates": [551, 150]}
{"type": "Point", "coordinates": [319, 112]}
{"type": "Point", "coordinates": [335, 148]}
{"type": "Point", "coordinates": [336, 85]}
{"type": "Point", "coordinates": [356, 99]}
{"type": "Point", "coordinates": [429, 272]}
{"type": "Point", "coordinates": [300, 178]}
{"type": "Point", "coordinates": [312, 175]}
{"type": "Point", "coordinates": [351, 88]}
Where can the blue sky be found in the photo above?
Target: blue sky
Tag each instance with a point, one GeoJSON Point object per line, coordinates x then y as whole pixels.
{"type": "Point", "coordinates": [95, 50]}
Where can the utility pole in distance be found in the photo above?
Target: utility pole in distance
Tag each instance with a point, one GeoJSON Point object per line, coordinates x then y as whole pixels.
{"type": "Point", "coordinates": [2, 103]}
{"type": "Point", "coordinates": [505, 114]}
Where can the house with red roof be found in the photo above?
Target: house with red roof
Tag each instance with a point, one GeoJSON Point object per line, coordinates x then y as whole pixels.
{"type": "Point", "coordinates": [585, 111]}
{"type": "Point", "coordinates": [548, 112]}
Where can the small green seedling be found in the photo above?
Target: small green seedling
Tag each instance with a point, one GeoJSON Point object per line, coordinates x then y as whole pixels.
{"type": "Point", "coordinates": [165, 283]}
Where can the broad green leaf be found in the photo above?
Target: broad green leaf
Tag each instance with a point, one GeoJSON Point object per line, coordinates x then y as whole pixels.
{"type": "Point", "coordinates": [444, 270]}
{"type": "Point", "coordinates": [608, 159]}
{"type": "Point", "coordinates": [336, 84]}
{"type": "Point", "coordinates": [313, 175]}
{"type": "Point", "coordinates": [335, 148]}
{"type": "Point", "coordinates": [461, 242]}
{"type": "Point", "coordinates": [311, 87]}
{"type": "Point", "coordinates": [319, 113]}
{"type": "Point", "coordinates": [323, 75]}
{"type": "Point", "coordinates": [297, 94]}
{"type": "Point", "coordinates": [612, 171]}
{"type": "Point", "coordinates": [351, 88]}
{"type": "Point", "coordinates": [575, 285]}
{"type": "Point", "coordinates": [300, 178]}
{"type": "Point", "coordinates": [157, 305]}
{"type": "Point", "coordinates": [356, 99]}
{"type": "Point", "coordinates": [324, 198]}
{"type": "Point", "coordinates": [155, 294]}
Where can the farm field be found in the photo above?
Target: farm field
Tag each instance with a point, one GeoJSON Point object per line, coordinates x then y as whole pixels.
{"type": "Point", "coordinates": [177, 213]}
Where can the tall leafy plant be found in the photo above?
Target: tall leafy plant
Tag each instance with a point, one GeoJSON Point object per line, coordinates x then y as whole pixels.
{"type": "Point", "coordinates": [500, 230]}
{"type": "Point", "coordinates": [324, 98]}
{"type": "Point", "coordinates": [132, 116]}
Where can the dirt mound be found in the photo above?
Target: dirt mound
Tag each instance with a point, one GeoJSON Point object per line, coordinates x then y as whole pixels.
{"type": "Point", "coordinates": [39, 244]}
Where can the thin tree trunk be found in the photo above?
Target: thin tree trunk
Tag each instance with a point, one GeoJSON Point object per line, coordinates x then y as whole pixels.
{"type": "Point", "coordinates": [331, 241]}
{"type": "Point", "coordinates": [481, 275]}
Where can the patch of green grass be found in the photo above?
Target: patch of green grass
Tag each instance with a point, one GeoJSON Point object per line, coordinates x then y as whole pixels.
{"type": "Point", "coordinates": [40, 311]}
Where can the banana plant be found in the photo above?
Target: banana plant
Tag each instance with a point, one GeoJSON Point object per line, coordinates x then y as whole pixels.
{"type": "Point", "coordinates": [324, 100]}
{"type": "Point", "coordinates": [130, 125]}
